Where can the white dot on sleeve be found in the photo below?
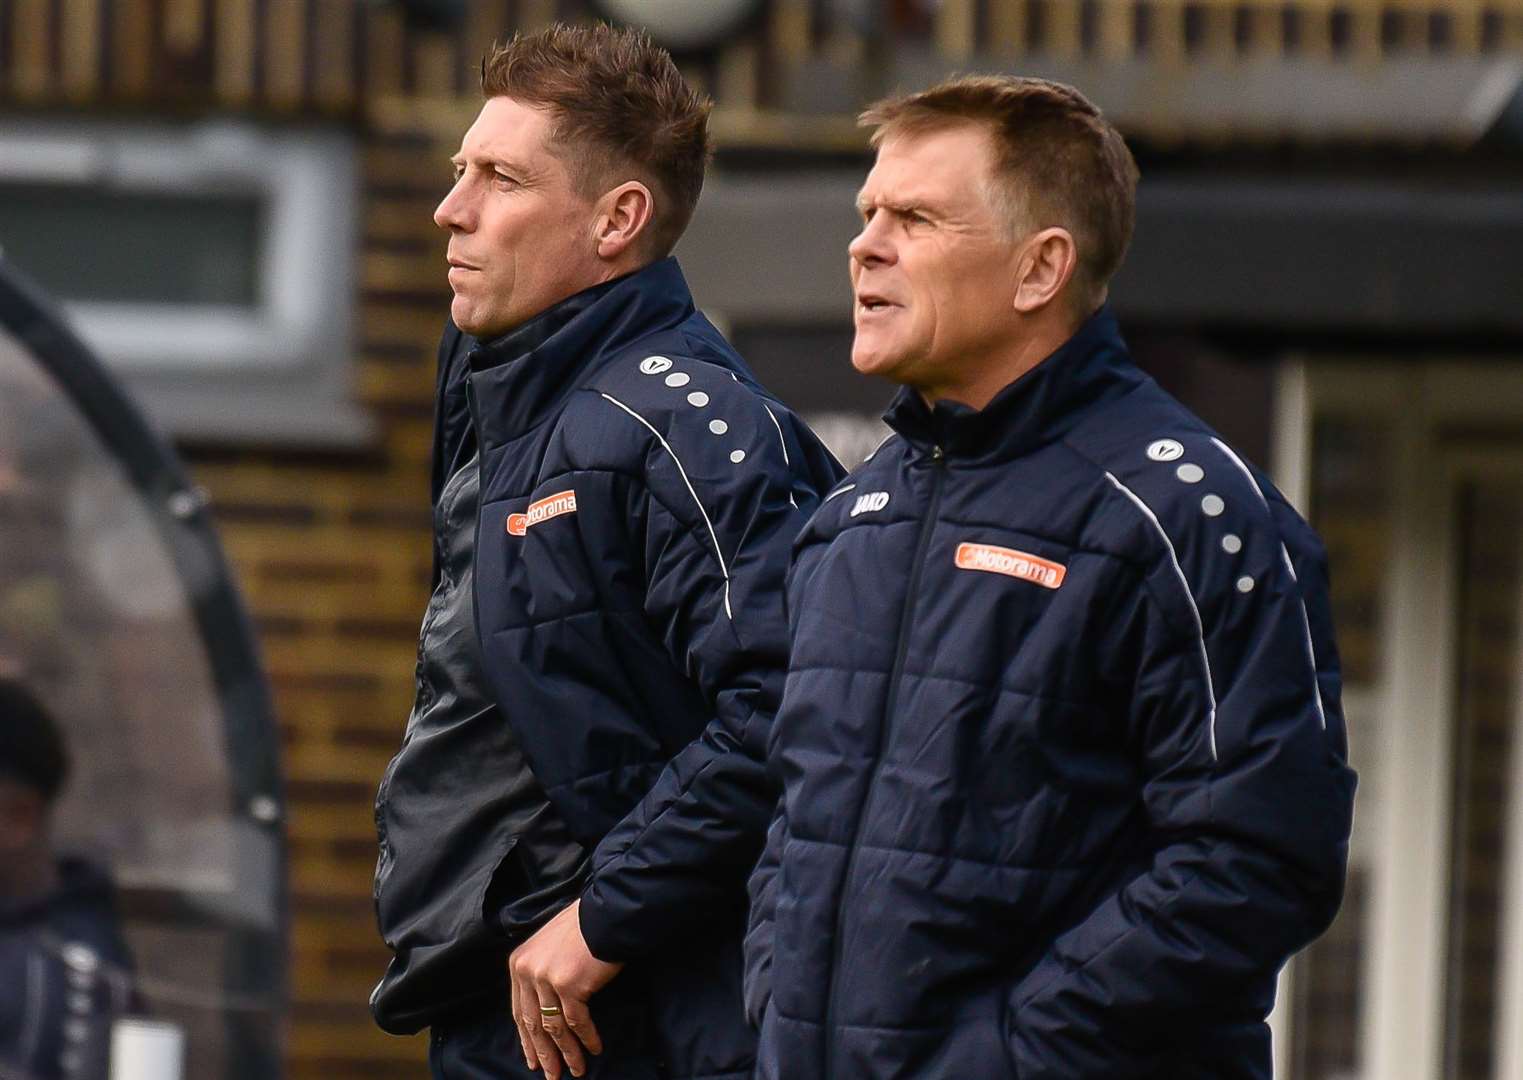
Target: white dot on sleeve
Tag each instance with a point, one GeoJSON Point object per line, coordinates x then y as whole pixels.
{"type": "Point", "coordinates": [718, 427]}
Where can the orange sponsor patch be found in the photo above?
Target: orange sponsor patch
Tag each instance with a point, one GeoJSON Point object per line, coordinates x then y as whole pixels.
{"type": "Point", "coordinates": [551, 506]}
{"type": "Point", "coordinates": [1011, 563]}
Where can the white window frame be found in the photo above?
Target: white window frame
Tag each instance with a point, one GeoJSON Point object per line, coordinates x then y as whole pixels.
{"type": "Point", "coordinates": [1402, 1026]}
{"type": "Point", "coordinates": [278, 370]}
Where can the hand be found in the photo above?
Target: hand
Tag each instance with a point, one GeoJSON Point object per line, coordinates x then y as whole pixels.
{"type": "Point", "coordinates": [555, 969]}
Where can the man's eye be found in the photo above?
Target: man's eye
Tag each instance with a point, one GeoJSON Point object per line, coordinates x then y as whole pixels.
{"type": "Point", "coordinates": [504, 178]}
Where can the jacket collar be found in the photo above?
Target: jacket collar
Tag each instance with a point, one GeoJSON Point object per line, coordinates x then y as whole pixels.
{"type": "Point", "coordinates": [527, 370]}
{"type": "Point", "coordinates": [80, 886]}
{"type": "Point", "coordinates": [1036, 408]}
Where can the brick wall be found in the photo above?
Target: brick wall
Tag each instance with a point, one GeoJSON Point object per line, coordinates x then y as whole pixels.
{"type": "Point", "coordinates": [330, 549]}
{"type": "Point", "coordinates": [333, 555]}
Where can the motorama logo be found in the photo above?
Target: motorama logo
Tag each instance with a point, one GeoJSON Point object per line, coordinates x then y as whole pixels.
{"type": "Point", "coordinates": [551, 506]}
{"type": "Point", "coordinates": [1011, 563]}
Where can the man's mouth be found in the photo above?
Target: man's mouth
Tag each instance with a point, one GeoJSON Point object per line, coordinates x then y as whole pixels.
{"type": "Point", "coordinates": [460, 264]}
{"type": "Point", "coordinates": [869, 302]}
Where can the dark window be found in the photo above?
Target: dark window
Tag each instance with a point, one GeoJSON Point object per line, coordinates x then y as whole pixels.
{"type": "Point", "coordinates": [88, 244]}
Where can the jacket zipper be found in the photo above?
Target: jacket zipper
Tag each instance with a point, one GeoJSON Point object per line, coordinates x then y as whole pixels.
{"type": "Point", "coordinates": [885, 740]}
{"type": "Point", "coordinates": [473, 409]}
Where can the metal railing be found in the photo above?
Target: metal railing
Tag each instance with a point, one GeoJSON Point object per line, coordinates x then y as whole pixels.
{"type": "Point", "coordinates": [768, 85]}
{"type": "Point", "coordinates": [1168, 30]}
{"type": "Point", "coordinates": [357, 58]}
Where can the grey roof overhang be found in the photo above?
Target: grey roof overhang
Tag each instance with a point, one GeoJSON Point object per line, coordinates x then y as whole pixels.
{"type": "Point", "coordinates": [1431, 248]}
{"type": "Point", "coordinates": [1400, 99]}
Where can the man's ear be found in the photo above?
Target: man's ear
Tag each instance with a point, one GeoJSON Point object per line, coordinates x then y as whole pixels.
{"type": "Point", "coordinates": [1044, 267]}
{"type": "Point", "coordinates": [623, 216]}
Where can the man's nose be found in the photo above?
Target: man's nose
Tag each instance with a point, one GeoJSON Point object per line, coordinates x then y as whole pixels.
{"type": "Point", "coordinates": [454, 211]}
{"type": "Point", "coordinates": [872, 245]}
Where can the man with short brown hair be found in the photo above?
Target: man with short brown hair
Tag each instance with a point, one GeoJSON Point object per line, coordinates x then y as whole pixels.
{"type": "Point", "coordinates": [619, 108]}
{"type": "Point", "coordinates": [1064, 765]}
{"type": "Point", "coordinates": [1055, 158]}
{"type": "Point", "coordinates": [567, 829]}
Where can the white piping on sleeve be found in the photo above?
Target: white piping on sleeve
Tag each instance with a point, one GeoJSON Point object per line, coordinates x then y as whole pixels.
{"type": "Point", "coordinates": [723, 568]}
{"type": "Point", "coordinates": [881, 444]}
{"type": "Point", "coordinates": [1243, 468]}
{"type": "Point", "coordinates": [1311, 649]}
{"type": "Point", "coordinates": [780, 438]}
{"type": "Point", "coordinates": [784, 442]}
{"type": "Point", "coordinates": [1200, 627]}
{"type": "Point", "coordinates": [842, 490]}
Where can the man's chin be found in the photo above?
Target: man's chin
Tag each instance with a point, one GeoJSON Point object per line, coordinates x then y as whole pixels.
{"type": "Point", "coordinates": [460, 313]}
{"type": "Point", "coordinates": [873, 362]}
{"type": "Point", "coordinates": [470, 320]}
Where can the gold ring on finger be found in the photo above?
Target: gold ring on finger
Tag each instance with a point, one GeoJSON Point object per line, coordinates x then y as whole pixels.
{"type": "Point", "coordinates": [549, 1011]}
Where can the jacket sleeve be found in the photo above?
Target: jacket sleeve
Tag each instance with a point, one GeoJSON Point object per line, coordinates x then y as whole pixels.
{"type": "Point", "coordinates": [766, 877]}
{"type": "Point", "coordinates": [761, 919]}
{"type": "Point", "coordinates": [1239, 746]}
{"type": "Point", "coordinates": [722, 516]}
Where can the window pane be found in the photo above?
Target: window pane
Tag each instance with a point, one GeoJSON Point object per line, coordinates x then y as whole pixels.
{"type": "Point", "coordinates": [1490, 517]}
{"type": "Point", "coordinates": [89, 244]}
{"type": "Point", "coordinates": [1351, 509]}
{"type": "Point", "coordinates": [1328, 995]}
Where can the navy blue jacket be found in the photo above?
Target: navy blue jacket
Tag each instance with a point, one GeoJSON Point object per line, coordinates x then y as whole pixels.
{"type": "Point", "coordinates": [1064, 766]}
{"type": "Point", "coordinates": [67, 976]}
{"type": "Point", "coordinates": [639, 492]}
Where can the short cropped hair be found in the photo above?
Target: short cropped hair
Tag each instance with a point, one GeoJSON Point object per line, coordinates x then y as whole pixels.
{"type": "Point", "coordinates": [621, 111]}
{"type": "Point", "coordinates": [1058, 162]}
{"type": "Point", "coordinates": [32, 750]}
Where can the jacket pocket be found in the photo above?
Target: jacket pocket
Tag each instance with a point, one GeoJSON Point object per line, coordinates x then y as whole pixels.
{"type": "Point", "coordinates": [520, 895]}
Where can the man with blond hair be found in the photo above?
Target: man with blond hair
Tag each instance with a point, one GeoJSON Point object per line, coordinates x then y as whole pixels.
{"type": "Point", "coordinates": [1064, 765]}
{"type": "Point", "coordinates": [567, 829]}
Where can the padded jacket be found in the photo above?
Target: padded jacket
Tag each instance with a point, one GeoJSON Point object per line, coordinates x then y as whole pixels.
{"type": "Point", "coordinates": [473, 857]}
{"type": "Point", "coordinates": [637, 493]}
{"type": "Point", "coordinates": [1064, 766]}
{"type": "Point", "coordinates": [67, 977]}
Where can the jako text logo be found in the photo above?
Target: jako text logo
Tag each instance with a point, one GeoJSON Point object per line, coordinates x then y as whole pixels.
{"type": "Point", "coordinates": [873, 500]}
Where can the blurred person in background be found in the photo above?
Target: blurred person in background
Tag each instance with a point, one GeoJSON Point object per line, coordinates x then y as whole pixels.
{"type": "Point", "coordinates": [64, 967]}
{"type": "Point", "coordinates": [567, 830]}
{"type": "Point", "coordinates": [1063, 757]}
